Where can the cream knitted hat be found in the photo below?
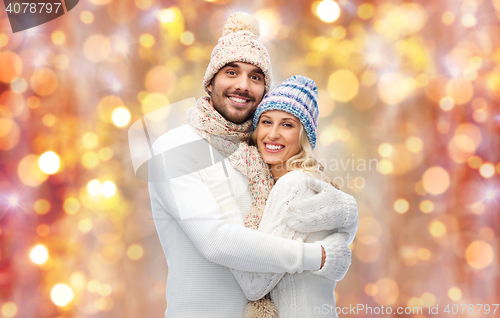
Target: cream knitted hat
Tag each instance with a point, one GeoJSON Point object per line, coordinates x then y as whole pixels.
{"type": "Point", "coordinates": [239, 43]}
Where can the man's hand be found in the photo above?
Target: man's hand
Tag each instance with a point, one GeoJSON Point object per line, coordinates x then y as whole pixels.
{"type": "Point", "coordinates": [323, 256]}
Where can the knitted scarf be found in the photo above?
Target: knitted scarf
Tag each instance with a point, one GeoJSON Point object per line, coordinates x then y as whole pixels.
{"type": "Point", "coordinates": [231, 140]}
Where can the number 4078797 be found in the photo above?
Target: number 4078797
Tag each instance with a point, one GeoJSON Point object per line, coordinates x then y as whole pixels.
{"type": "Point", "coordinates": [471, 309]}
{"type": "Point", "coordinates": [32, 7]}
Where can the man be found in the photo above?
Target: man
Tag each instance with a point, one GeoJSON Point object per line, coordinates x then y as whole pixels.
{"type": "Point", "coordinates": [199, 241]}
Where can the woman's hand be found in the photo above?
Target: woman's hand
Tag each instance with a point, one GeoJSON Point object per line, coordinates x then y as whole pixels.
{"type": "Point", "coordinates": [328, 209]}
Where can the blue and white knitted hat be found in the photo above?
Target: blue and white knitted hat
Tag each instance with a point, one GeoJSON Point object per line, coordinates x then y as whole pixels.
{"type": "Point", "coordinates": [298, 95]}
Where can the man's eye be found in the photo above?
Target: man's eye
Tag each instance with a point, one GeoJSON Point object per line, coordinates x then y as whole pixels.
{"type": "Point", "coordinates": [257, 78]}
{"type": "Point", "coordinates": [231, 72]}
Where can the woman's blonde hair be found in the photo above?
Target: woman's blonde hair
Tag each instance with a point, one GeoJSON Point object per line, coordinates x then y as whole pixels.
{"type": "Point", "coordinates": [303, 160]}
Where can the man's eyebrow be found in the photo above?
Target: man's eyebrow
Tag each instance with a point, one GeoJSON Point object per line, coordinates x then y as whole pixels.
{"type": "Point", "coordinates": [232, 65]}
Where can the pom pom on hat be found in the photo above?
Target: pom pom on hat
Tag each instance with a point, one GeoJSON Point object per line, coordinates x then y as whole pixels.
{"type": "Point", "coordinates": [241, 21]}
{"type": "Point", "coordinates": [239, 43]}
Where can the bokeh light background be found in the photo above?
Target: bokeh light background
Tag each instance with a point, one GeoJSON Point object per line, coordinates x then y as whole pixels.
{"type": "Point", "coordinates": [410, 89]}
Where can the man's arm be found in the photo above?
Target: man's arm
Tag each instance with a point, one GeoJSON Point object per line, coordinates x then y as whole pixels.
{"type": "Point", "coordinates": [187, 199]}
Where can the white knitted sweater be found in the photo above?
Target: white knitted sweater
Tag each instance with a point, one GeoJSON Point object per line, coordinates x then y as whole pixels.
{"type": "Point", "coordinates": [303, 294]}
{"type": "Point", "coordinates": [201, 244]}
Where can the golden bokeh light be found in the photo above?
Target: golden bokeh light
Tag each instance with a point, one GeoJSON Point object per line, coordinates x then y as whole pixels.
{"type": "Point", "coordinates": [479, 254]}
{"type": "Point", "coordinates": [393, 88]}
{"type": "Point", "coordinates": [371, 289]}
{"type": "Point", "coordinates": [436, 180]}
{"type": "Point", "coordinates": [475, 162]}
{"type": "Point", "coordinates": [105, 154]}
{"type": "Point", "coordinates": [455, 293]}
{"type": "Point", "coordinates": [9, 309]}
{"type": "Point", "coordinates": [153, 102]}
{"type": "Point", "coordinates": [97, 48]}
{"type": "Point", "coordinates": [61, 295]}
{"type": "Point", "coordinates": [343, 85]}
{"type": "Point", "coordinates": [424, 254]}
{"type": "Point", "coordinates": [49, 162]}
{"type": "Point", "coordinates": [385, 166]}
{"type": "Point", "coordinates": [426, 206]}
{"type": "Point", "coordinates": [385, 150]}
{"type": "Point", "coordinates": [11, 66]}
{"type": "Point", "coordinates": [90, 140]}
{"type": "Point", "coordinates": [459, 90]}
{"type": "Point", "coordinates": [93, 286]}
{"type": "Point", "coordinates": [414, 144]}
{"type": "Point", "coordinates": [365, 11]}
{"type": "Point", "coordinates": [19, 85]}
{"type": "Point", "coordinates": [121, 117]}
{"type": "Point", "coordinates": [49, 120]}
{"type": "Point", "coordinates": [447, 103]}
{"type": "Point", "coordinates": [328, 11]}
{"type": "Point", "coordinates": [9, 134]}
{"type": "Point", "coordinates": [85, 225]}
{"type": "Point", "coordinates": [58, 37]}
{"type": "Point", "coordinates": [147, 40]}
{"type": "Point", "coordinates": [437, 228]}
{"type": "Point", "coordinates": [468, 20]}
{"type": "Point", "coordinates": [108, 189]}
{"type": "Point", "coordinates": [107, 105]}
{"type": "Point", "coordinates": [487, 170]}
{"type": "Point", "coordinates": [71, 206]}
{"type": "Point", "coordinates": [44, 81]}
{"type": "Point", "coordinates": [42, 206]}
{"type": "Point", "coordinates": [387, 292]}
{"type": "Point", "coordinates": [448, 18]}
{"type": "Point", "coordinates": [94, 187]}
{"type": "Point", "coordinates": [87, 17]}
{"type": "Point", "coordinates": [135, 252]}
{"type": "Point", "coordinates": [187, 38]}
{"type": "Point", "coordinates": [39, 254]}
{"type": "Point", "coordinates": [29, 171]}
{"type": "Point", "coordinates": [78, 280]}
{"type": "Point", "coordinates": [160, 79]}
{"type": "Point", "coordinates": [90, 160]}
{"type": "Point", "coordinates": [4, 40]}
{"type": "Point", "coordinates": [401, 206]}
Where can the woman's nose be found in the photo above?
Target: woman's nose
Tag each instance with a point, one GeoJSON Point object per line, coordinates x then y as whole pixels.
{"type": "Point", "coordinates": [274, 133]}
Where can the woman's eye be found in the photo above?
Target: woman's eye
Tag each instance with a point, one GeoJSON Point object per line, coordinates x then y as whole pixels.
{"type": "Point", "coordinates": [265, 122]}
{"type": "Point", "coordinates": [287, 125]}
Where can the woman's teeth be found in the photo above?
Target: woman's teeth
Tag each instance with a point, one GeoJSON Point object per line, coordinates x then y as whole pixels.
{"type": "Point", "coordinates": [273, 147]}
{"type": "Point", "coordinates": [238, 100]}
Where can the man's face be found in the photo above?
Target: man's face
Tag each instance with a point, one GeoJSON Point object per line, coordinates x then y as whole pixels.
{"type": "Point", "coordinates": [236, 91]}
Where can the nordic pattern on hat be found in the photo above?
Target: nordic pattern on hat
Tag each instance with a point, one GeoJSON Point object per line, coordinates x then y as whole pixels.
{"type": "Point", "coordinates": [298, 95]}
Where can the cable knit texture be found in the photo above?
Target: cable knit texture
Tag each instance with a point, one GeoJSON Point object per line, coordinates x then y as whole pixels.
{"type": "Point", "coordinates": [305, 289]}
{"type": "Point", "coordinates": [199, 242]}
{"type": "Point", "coordinates": [329, 209]}
{"type": "Point", "coordinates": [239, 43]}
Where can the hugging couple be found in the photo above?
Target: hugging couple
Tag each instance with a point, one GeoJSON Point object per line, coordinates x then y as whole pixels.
{"type": "Point", "coordinates": [261, 233]}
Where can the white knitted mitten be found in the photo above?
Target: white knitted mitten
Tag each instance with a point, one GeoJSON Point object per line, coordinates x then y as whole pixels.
{"type": "Point", "coordinates": [328, 209]}
{"type": "Point", "coordinates": [338, 257]}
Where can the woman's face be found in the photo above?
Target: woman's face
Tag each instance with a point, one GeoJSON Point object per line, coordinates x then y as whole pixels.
{"type": "Point", "coordinates": [278, 136]}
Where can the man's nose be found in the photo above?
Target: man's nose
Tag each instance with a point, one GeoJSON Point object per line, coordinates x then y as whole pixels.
{"type": "Point", "coordinates": [242, 84]}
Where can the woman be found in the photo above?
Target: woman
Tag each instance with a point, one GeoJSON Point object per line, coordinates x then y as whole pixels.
{"type": "Point", "coordinates": [300, 206]}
